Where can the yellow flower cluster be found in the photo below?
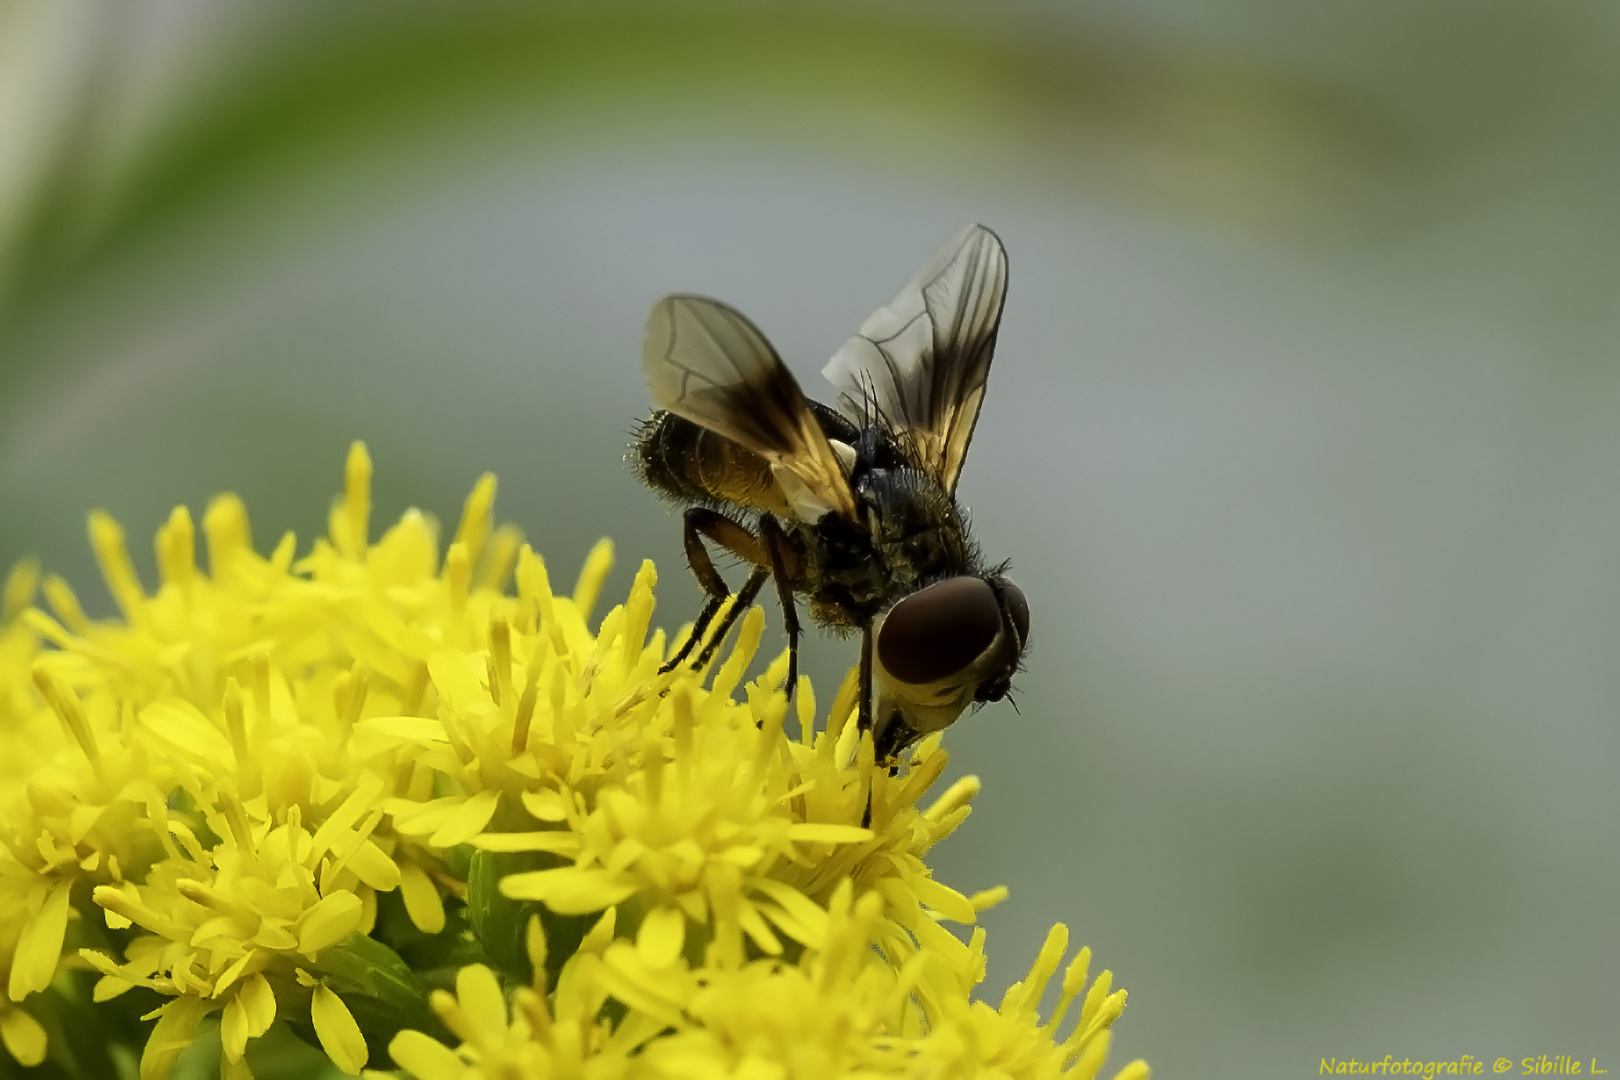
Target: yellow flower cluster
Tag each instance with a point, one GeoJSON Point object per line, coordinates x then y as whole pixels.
{"type": "Point", "coordinates": [319, 793]}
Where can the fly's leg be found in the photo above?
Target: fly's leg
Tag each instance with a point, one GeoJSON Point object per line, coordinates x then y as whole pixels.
{"type": "Point", "coordinates": [863, 714]}
{"type": "Point", "coordinates": [697, 523]}
{"type": "Point", "coordinates": [783, 566]}
{"type": "Point", "coordinates": [745, 600]}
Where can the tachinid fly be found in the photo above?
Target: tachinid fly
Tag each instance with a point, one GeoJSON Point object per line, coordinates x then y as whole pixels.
{"type": "Point", "coordinates": [853, 508]}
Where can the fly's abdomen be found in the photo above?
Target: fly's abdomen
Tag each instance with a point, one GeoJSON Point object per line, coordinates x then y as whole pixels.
{"type": "Point", "coordinates": [691, 464]}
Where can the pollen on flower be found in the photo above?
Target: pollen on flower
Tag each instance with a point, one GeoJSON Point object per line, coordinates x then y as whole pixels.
{"type": "Point", "coordinates": [406, 801]}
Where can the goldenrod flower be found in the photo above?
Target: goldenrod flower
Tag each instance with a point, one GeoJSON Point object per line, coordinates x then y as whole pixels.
{"type": "Point", "coordinates": [321, 792]}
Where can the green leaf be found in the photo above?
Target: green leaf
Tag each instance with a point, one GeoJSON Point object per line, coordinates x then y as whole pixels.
{"type": "Point", "coordinates": [381, 990]}
{"type": "Point", "coordinates": [501, 923]}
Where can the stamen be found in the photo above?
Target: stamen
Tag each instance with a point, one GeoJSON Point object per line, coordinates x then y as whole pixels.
{"type": "Point", "coordinates": [177, 548]}
{"type": "Point", "coordinates": [65, 703]}
{"type": "Point", "coordinates": [985, 899]}
{"type": "Point", "coordinates": [562, 727]}
{"type": "Point", "coordinates": [638, 612]}
{"type": "Point", "coordinates": [281, 558]}
{"type": "Point", "coordinates": [843, 705]}
{"type": "Point", "coordinates": [349, 697]}
{"type": "Point", "coordinates": [448, 1011]}
{"type": "Point", "coordinates": [18, 593]}
{"type": "Point", "coordinates": [681, 727]}
{"type": "Point", "coordinates": [122, 904]}
{"type": "Point", "coordinates": [457, 575]}
{"type": "Point", "coordinates": [202, 895]}
{"type": "Point", "coordinates": [525, 714]}
{"type": "Point", "coordinates": [477, 517]}
{"type": "Point", "coordinates": [416, 688]}
{"type": "Point", "coordinates": [956, 796]}
{"type": "Point", "coordinates": [107, 538]}
{"type": "Point", "coordinates": [261, 687]}
{"type": "Point", "coordinates": [591, 576]}
{"type": "Point", "coordinates": [1074, 980]}
{"type": "Point", "coordinates": [500, 555]}
{"type": "Point", "coordinates": [225, 524]}
{"type": "Point", "coordinates": [534, 588]}
{"type": "Point", "coordinates": [805, 702]}
{"type": "Point", "coordinates": [351, 527]}
{"type": "Point", "coordinates": [766, 745]}
{"type": "Point", "coordinates": [235, 721]}
{"type": "Point", "coordinates": [236, 817]}
{"type": "Point", "coordinates": [500, 659]}
{"type": "Point", "coordinates": [531, 1004]}
{"type": "Point", "coordinates": [59, 594]}
{"type": "Point", "coordinates": [535, 943]}
{"type": "Point", "coordinates": [652, 766]}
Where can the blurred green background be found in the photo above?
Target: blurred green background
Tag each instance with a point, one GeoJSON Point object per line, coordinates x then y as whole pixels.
{"type": "Point", "coordinates": [1302, 438]}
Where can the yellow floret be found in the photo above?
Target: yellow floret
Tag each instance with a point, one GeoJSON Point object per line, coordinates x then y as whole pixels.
{"type": "Point", "coordinates": [312, 791]}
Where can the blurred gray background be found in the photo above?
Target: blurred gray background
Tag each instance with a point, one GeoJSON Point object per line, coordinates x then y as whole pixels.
{"type": "Point", "coordinates": [1302, 435]}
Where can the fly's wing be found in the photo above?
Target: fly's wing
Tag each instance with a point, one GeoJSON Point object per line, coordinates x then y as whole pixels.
{"type": "Point", "coordinates": [707, 363]}
{"type": "Point", "coordinates": [920, 364]}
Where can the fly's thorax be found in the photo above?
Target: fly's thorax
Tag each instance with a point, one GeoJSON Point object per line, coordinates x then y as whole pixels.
{"type": "Point", "coordinates": [910, 535]}
{"type": "Point", "coordinates": [844, 577]}
{"type": "Point", "coordinates": [916, 527]}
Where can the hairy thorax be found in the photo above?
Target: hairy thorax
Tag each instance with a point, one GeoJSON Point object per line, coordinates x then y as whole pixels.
{"type": "Point", "coordinates": [915, 537]}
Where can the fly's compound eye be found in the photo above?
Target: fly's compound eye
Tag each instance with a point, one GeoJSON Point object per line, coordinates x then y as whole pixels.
{"type": "Point", "coordinates": [939, 631]}
{"type": "Point", "coordinates": [1015, 609]}
{"type": "Point", "coordinates": [1012, 598]}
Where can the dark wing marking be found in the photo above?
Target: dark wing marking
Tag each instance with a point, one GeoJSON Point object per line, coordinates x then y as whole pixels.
{"type": "Point", "coordinates": [921, 362]}
{"type": "Point", "coordinates": [707, 363]}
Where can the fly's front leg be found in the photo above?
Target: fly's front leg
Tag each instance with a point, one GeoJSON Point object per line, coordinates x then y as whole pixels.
{"type": "Point", "coordinates": [697, 523]}
{"type": "Point", "coordinates": [784, 568]}
{"type": "Point", "coordinates": [863, 713]}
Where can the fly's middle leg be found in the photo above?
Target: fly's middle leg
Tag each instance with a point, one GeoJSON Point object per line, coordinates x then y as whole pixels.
{"type": "Point", "coordinates": [784, 567]}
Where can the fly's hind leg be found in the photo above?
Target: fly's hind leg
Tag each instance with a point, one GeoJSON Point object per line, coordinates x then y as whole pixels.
{"type": "Point", "coordinates": [699, 522]}
{"type": "Point", "coordinates": [745, 600]}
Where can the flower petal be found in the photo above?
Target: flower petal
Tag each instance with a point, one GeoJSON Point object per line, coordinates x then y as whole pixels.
{"type": "Point", "coordinates": [40, 945]}
{"type": "Point", "coordinates": [424, 1057]}
{"type": "Point", "coordinates": [328, 922]}
{"type": "Point", "coordinates": [468, 820]}
{"type": "Point", "coordinates": [339, 1034]}
{"type": "Point", "coordinates": [552, 840]}
{"type": "Point", "coordinates": [662, 934]}
{"type": "Point", "coordinates": [567, 890]}
{"type": "Point", "coordinates": [176, 1026]}
{"type": "Point", "coordinates": [259, 1002]}
{"type": "Point", "coordinates": [818, 832]}
{"type": "Point", "coordinates": [482, 1003]}
{"type": "Point", "coordinates": [23, 1036]}
{"type": "Point", "coordinates": [422, 901]}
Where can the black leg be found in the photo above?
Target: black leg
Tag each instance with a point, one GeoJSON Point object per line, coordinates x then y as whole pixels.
{"type": "Point", "coordinates": [699, 522]}
{"type": "Point", "coordinates": [863, 714]}
{"type": "Point", "coordinates": [701, 624]}
{"type": "Point", "coordinates": [745, 600]}
{"type": "Point", "coordinates": [782, 568]}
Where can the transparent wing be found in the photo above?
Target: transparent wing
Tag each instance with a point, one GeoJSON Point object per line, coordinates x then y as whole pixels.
{"type": "Point", "coordinates": [707, 363]}
{"type": "Point", "coordinates": [922, 361]}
